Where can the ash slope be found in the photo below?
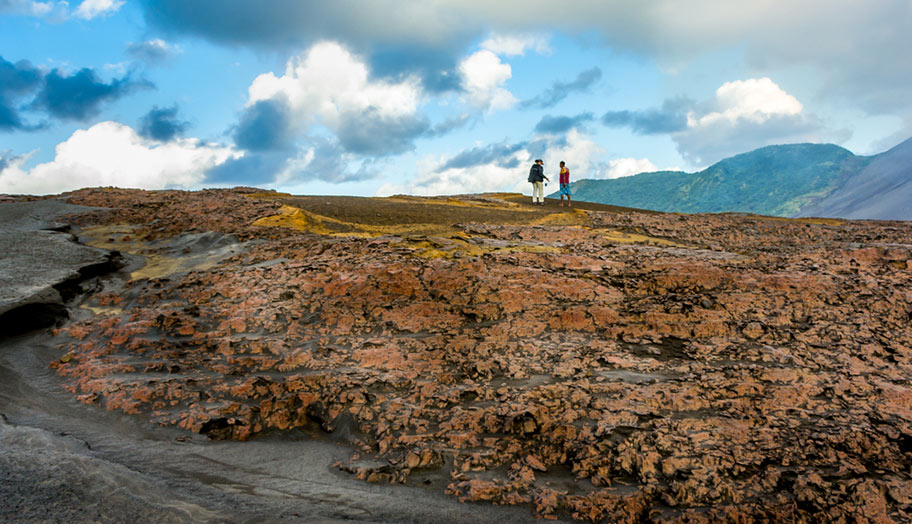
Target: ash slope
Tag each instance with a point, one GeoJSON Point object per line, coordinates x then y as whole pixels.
{"type": "Point", "coordinates": [600, 364]}
{"type": "Point", "coordinates": [882, 190]}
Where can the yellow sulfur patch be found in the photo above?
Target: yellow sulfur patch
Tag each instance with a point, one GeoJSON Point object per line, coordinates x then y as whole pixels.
{"type": "Point", "coordinates": [103, 311]}
{"type": "Point", "coordinates": [575, 218]}
{"type": "Point", "coordinates": [634, 238]}
{"type": "Point", "coordinates": [294, 218]}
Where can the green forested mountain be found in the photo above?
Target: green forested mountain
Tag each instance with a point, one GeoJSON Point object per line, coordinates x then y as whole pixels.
{"type": "Point", "coordinates": [773, 180]}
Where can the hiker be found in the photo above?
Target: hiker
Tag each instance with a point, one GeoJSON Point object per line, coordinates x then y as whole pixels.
{"type": "Point", "coordinates": [537, 176]}
{"type": "Point", "coordinates": [564, 184]}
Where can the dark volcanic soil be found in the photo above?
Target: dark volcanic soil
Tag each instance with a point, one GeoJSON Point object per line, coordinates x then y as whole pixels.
{"type": "Point", "coordinates": [597, 363]}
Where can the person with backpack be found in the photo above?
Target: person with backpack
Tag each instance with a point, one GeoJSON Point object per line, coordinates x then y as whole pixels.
{"type": "Point", "coordinates": [537, 177]}
{"type": "Point", "coordinates": [564, 184]}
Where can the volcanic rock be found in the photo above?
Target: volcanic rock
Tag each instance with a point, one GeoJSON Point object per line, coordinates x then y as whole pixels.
{"type": "Point", "coordinates": [597, 362]}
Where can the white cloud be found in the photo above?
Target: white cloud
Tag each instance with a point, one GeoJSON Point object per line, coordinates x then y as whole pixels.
{"type": "Point", "coordinates": [455, 181]}
{"type": "Point", "coordinates": [112, 154]}
{"type": "Point", "coordinates": [90, 9]}
{"type": "Point", "coordinates": [483, 77]}
{"type": "Point", "coordinates": [516, 44]}
{"type": "Point", "coordinates": [754, 99]}
{"type": "Point", "coordinates": [746, 114]}
{"type": "Point", "coordinates": [621, 167]}
{"type": "Point", "coordinates": [577, 151]}
{"type": "Point", "coordinates": [328, 82]}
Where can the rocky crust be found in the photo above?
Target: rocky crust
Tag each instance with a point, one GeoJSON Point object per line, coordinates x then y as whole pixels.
{"type": "Point", "coordinates": [624, 367]}
{"type": "Point", "coordinates": [42, 264]}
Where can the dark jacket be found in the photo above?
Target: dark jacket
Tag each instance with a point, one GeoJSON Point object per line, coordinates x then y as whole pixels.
{"type": "Point", "coordinates": [537, 173]}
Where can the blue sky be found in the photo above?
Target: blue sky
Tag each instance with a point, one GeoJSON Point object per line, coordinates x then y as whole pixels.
{"type": "Point", "coordinates": [375, 97]}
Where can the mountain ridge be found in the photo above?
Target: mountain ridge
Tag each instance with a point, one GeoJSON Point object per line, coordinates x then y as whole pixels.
{"type": "Point", "coordinates": [780, 180]}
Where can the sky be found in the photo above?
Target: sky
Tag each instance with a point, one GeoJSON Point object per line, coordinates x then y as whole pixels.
{"type": "Point", "coordinates": [381, 97]}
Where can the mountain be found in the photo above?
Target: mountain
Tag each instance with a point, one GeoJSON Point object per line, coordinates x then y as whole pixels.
{"type": "Point", "coordinates": [783, 180]}
{"type": "Point", "coordinates": [881, 190]}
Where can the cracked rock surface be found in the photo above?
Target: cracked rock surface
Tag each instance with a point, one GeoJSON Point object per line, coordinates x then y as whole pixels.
{"type": "Point", "coordinates": [39, 261]}
{"type": "Point", "coordinates": [598, 364]}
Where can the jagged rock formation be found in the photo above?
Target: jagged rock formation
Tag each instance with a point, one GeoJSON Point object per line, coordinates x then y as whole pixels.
{"type": "Point", "coordinates": [604, 364]}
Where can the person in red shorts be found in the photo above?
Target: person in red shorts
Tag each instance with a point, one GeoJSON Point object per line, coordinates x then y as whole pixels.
{"type": "Point", "coordinates": [564, 184]}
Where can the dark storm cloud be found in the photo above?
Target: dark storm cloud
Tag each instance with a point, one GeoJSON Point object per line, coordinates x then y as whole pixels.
{"type": "Point", "coordinates": [162, 124]}
{"type": "Point", "coordinates": [80, 96]}
{"type": "Point", "coordinates": [671, 117]}
{"type": "Point", "coordinates": [499, 154]}
{"type": "Point", "coordinates": [367, 133]}
{"type": "Point", "coordinates": [265, 126]}
{"type": "Point", "coordinates": [560, 90]}
{"type": "Point", "coordinates": [562, 124]}
{"type": "Point", "coordinates": [16, 80]}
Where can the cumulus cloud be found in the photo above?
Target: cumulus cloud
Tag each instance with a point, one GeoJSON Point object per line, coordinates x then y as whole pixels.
{"type": "Point", "coordinates": [162, 124]}
{"type": "Point", "coordinates": [754, 99]}
{"type": "Point", "coordinates": [621, 167]}
{"type": "Point", "coordinates": [112, 154]}
{"type": "Point", "coordinates": [80, 95]}
{"type": "Point", "coordinates": [740, 116]}
{"type": "Point", "coordinates": [330, 86]}
{"type": "Point", "coordinates": [153, 51]}
{"type": "Point", "coordinates": [562, 124]}
{"type": "Point", "coordinates": [90, 9]}
{"type": "Point", "coordinates": [561, 90]}
{"type": "Point", "coordinates": [516, 44]}
{"type": "Point", "coordinates": [483, 77]}
{"type": "Point", "coordinates": [328, 117]}
{"type": "Point", "coordinates": [744, 115]}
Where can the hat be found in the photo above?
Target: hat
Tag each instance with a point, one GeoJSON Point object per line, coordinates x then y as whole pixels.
{"type": "Point", "coordinates": [537, 160]}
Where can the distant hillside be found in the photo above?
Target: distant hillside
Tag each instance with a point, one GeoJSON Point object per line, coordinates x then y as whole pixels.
{"type": "Point", "coordinates": [881, 190]}
{"type": "Point", "coordinates": [780, 180]}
